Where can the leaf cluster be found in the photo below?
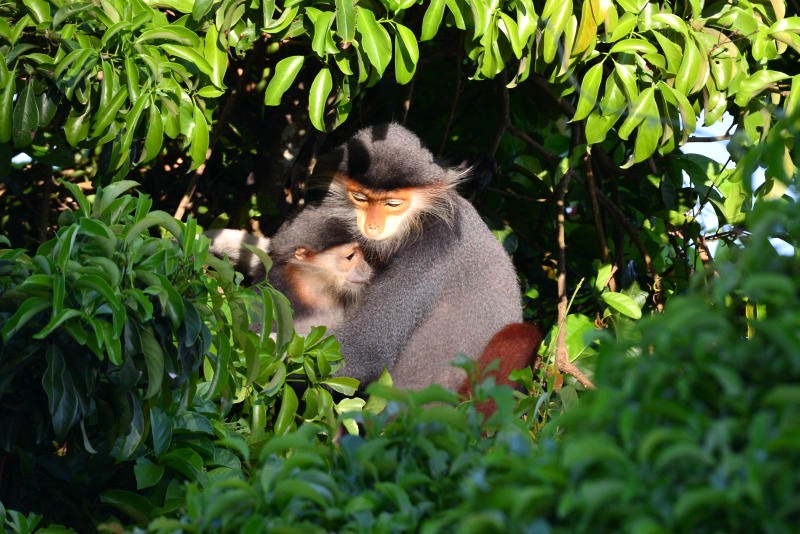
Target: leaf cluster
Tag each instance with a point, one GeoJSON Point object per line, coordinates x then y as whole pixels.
{"type": "Point", "coordinates": [693, 428]}
{"type": "Point", "coordinates": [128, 363]}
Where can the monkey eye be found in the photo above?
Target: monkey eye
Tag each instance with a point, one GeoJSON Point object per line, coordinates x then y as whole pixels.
{"type": "Point", "coordinates": [394, 202]}
{"type": "Point", "coordinates": [350, 256]}
{"type": "Point", "coordinates": [358, 197]}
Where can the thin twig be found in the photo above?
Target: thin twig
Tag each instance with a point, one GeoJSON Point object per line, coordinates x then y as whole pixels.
{"type": "Point", "coordinates": [562, 356]}
{"type": "Point", "coordinates": [598, 222]}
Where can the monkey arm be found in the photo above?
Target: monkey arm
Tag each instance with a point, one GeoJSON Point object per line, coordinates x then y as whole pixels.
{"type": "Point", "coordinates": [396, 302]}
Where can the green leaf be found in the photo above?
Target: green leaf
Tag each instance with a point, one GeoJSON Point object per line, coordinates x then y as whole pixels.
{"type": "Point", "coordinates": [556, 14]}
{"type": "Point", "coordinates": [603, 276]}
{"type": "Point", "coordinates": [623, 304]}
{"type": "Point", "coordinates": [148, 474]}
{"type": "Point", "coordinates": [160, 430]}
{"type": "Point", "coordinates": [154, 360]}
{"type": "Point", "coordinates": [62, 397]}
{"type": "Point", "coordinates": [590, 86]}
{"type": "Point", "coordinates": [190, 55]}
{"type": "Point", "coordinates": [342, 384]}
{"type": "Point", "coordinates": [215, 56]}
{"type": "Point", "coordinates": [200, 138]}
{"type": "Point", "coordinates": [756, 83]}
{"type": "Point", "coordinates": [639, 46]}
{"type": "Point", "coordinates": [285, 72]}
{"type": "Point", "coordinates": [375, 40]}
{"type": "Point", "coordinates": [76, 127]}
{"type": "Point", "coordinates": [172, 33]}
{"type": "Point", "coordinates": [26, 311]}
{"type": "Point", "coordinates": [200, 9]}
{"type": "Point", "coordinates": [40, 9]}
{"type": "Point", "coordinates": [288, 410]}
{"type": "Point", "coordinates": [318, 98]}
{"type": "Point", "coordinates": [346, 19]}
{"type": "Point", "coordinates": [686, 78]}
{"type": "Point", "coordinates": [26, 117]}
{"type": "Point", "coordinates": [432, 20]}
{"type": "Point", "coordinates": [154, 137]}
{"type": "Point", "coordinates": [133, 505]}
{"type": "Point", "coordinates": [106, 115]}
{"type": "Point", "coordinates": [406, 54]}
{"type": "Point", "coordinates": [6, 105]}
{"type": "Point", "coordinates": [640, 108]}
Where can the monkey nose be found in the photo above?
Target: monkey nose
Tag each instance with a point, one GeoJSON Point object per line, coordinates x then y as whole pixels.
{"type": "Point", "coordinates": [373, 230]}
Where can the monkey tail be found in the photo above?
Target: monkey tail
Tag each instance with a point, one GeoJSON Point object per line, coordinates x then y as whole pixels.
{"type": "Point", "coordinates": [514, 347]}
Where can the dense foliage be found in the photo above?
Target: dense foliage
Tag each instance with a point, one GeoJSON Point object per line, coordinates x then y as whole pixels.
{"type": "Point", "coordinates": [124, 355]}
{"type": "Point", "coordinates": [133, 390]}
{"type": "Point", "coordinates": [694, 427]}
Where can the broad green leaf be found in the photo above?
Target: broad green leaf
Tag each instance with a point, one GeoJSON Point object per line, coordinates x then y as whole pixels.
{"type": "Point", "coordinates": [406, 54]}
{"type": "Point", "coordinates": [639, 110]}
{"type": "Point", "coordinates": [603, 276]}
{"type": "Point", "coordinates": [26, 117]}
{"type": "Point", "coordinates": [318, 98]}
{"type": "Point", "coordinates": [287, 412]}
{"type": "Point", "coordinates": [199, 139]}
{"type": "Point", "coordinates": [26, 311]}
{"type": "Point", "coordinates": [756, 83]}
{"type": "Point", "coordinates": [191, 55]}
{"type": "Point", "coordinates": [6, 106]}
{"type": "Point", "coordinates": [285, 72]}
{"type": "Point", "coordinates": [432, 20]}
{"type": "Point", "coordinates": [556, 14]}
{"type": "Point", "coordinates": [154, 136]}
{"type": "Point", "coordinates": [40, 9]}
{"type": "Point", "coordinates": [172, 33]}
{"type": "Point", "coordinates": [509, 28]}
{"type": "Point", "coordinates": [623, 304]}
{"type": "Point", "coordinates": [135, 506]}
{"type": "Point", "coordinates": [106, 115]}
{"type": "Point", "coordinates": [216, 57]}
{"type": "Point", "coordinates": [639, 46]}
{"type": "Point", "coordinates": [160, 431]}
{"type": "Point", "coordinates": [109, 298]}
{"type": "Point", "coordinates": [148, 474]}
{"type": "Point", "coordinates": [375, 40]}
{"type": "Point", "coordinates": [63, 402]}
{"type": "Point", "coordinates": [346, 19]}
{"type": "Point", "coordinates": [56, 321]}
{"type": "Point", "coordinates": [590, 86]}
{"type": "Point", "coordinates": [679, 100]}
{"type": "Point", "coordinates": [690, 70]}
{"type": "Point", "coordinates": [76, 127]}
{"type": "Point", "coordinates": [342, 384]}
{"type": "Point", "coordinates": [200, 9]}
{"type": "Point", "coordinates": [154, 360]}
{"type": "Point", "coordinates": [108, 194]}
{"type": "Point", "coordinates": [282, 22]}
{"type": "Point", "coordinates": [322, 41]}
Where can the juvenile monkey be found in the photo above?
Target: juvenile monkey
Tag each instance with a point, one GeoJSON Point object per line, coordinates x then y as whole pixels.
{"type": "Point", "coordinates": [315, 264]}
{"type": "Point", "coordinates": [443, 283]}
{"type": "Point", "coordinates": [318, 267]}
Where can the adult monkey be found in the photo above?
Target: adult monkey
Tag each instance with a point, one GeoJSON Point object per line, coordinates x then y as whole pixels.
{"type": "Point", "coordinates": [315, 264]}
{"type": "Point", "coordinates": [443, 283]}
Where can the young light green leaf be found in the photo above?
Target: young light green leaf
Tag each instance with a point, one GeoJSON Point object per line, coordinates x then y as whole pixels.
{"type": "Point", "coordinates": [318, 98]}
{"type": "Point", "coordinates": [216, 57]}
{"type": "Point", "coordinates": [375, 40]}
{"type": "Point", "coordinates": [322, 40]}
{"type": "Point", "coordinates": [509, 28]}
{"type": "Point", "coordinates": [432, 20]}
{"type": "Point", "coordinates": [639, 110]}
{"type": "Point", "coordinates": [285, 72]}
{"type": "Point", "coordinates": [590, 86]}
{"type": "Point", "coordinates": [756, 83]}
{"type": "Point", "coordinates": [406, 54]}
{"type": "Point", "coordinates": [189, 54]}
{"type": "Point", "coordinates": [200, 139]}
{"type": "Point", "coordinates": [346, 19]}
{"type": "Point", "coordinates": [172, 33]}
{"type": "Point", "coordinates": [623, 304]}
{"type": "Point", "coordinates": [688, 72]}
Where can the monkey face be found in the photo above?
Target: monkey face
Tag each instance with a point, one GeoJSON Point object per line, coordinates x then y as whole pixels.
{"type": "Point", "coordinates": [337, 271]}
{"type": "Point", "coordinates": [379, 215]}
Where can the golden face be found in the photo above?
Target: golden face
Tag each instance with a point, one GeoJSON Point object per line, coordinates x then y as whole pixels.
{"type": "Point", "coordinates": [379, 213]}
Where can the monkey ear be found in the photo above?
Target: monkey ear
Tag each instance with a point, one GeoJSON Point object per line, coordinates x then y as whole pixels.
{"type": "Point", "coordinates": [301, 253]}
